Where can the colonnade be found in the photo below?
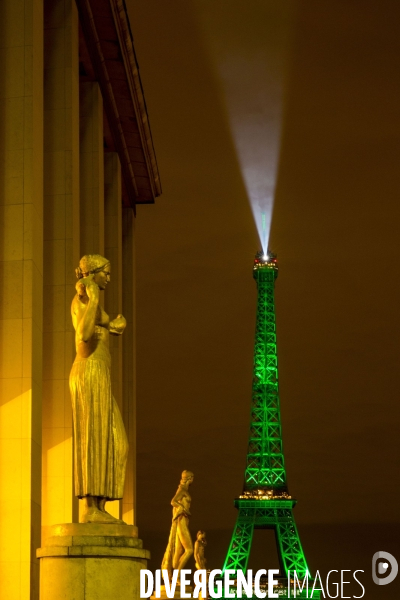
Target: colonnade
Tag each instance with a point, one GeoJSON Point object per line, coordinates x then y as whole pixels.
{"type": "Point", "coordinates": [60, 198]}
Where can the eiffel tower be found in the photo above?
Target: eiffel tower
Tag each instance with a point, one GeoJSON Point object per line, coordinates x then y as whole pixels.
{"type": "Point", "coordinates": [265, 502]}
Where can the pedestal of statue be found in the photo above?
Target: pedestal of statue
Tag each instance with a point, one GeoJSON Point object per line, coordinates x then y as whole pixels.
{"type": "Point", "coordinates": [91, 561]}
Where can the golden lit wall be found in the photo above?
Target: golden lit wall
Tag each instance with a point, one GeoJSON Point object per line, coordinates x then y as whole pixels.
{"type": "Point", "coordinates": [21, 297]}
{"type": "Point", "coordinates": [60, 197]}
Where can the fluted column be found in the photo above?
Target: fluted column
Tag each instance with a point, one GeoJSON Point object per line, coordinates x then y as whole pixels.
{"type": "Point", "coordinates": [91, 169]}
{"type": "Point", "coordinates": [61, 244]}
{"type": "Point", "coordinates": [129, 360]}
{"type": "Point", "coordinates": [113, 296]}
{"type": "Point", "coordinates": [91, 172]}
{"type": "Point", "coordinates": [21, 293]}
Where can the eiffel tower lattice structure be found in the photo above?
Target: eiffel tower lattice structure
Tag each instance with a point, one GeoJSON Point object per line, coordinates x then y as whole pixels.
{"type": "Point", "coordinates": [265, 502]}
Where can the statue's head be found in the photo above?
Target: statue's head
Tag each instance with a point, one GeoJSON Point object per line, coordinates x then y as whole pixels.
{"type": "Point", "coordinates": [187, 477]}
{"type": "Point", "coordinates": [201, 536]}
{"type": "Point", "coordinates": [96, 265]}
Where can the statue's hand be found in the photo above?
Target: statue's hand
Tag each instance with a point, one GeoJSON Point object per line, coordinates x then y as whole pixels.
{"type": "Point", "coordinates": [118, 325]}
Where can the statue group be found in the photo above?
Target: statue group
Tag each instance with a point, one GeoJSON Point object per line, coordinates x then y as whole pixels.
{"type": "Point", "coordinates": [100, 441]}
{"type": "Point", "coordinates": [180, 545]}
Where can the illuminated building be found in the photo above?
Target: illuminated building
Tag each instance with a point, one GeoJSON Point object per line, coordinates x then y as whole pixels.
{"type": "Point", "coordinates": [265, 502]}
{"type": "Point", "coordinates": [76, 156]}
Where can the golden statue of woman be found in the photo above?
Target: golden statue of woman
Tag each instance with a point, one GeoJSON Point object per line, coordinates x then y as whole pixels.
{"type": "Point", "coordinates": [180, 545]}
{"type": "Point", "coordinates": [199, 548]}
{"type": "Point", "coordinates": [100, 442]}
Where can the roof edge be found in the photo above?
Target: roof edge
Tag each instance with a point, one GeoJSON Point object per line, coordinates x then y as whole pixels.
{"type": "Point", "coordinates": [122, 23]}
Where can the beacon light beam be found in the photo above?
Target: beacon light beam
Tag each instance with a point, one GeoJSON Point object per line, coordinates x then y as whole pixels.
{"type": "Point", "coordinates": [257, 144]}
{"type": "Point", "coordinates": [251, 78]}
{"type": "Point", "coordinates": [264, 236]}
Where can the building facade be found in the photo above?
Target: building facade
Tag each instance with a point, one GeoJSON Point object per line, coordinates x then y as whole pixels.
{"type": "Point", "coordinates": [76, 156]}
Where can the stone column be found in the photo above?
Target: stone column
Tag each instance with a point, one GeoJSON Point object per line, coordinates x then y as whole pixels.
{"type": "Point", "coordinates": [61, 245]}
{"type": "Point", "coordinates": [21, 294]}
{"type": "Point", "coordinates": [113, 251]}
{"type": "Point", "coordinates": [91, 153]}
{"type": "Point", "coordinates": [113, 297]}
{"type": "Point", "coordinates": [129, 360]}
{"type": "Point", "coordinates": [91, 169]}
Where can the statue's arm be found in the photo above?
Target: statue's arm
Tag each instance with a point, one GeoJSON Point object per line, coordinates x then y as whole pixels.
{"type": "Point", "coordinates": [84, 315]}
{"type": "Point", "coordinates": [196, 553]}
{"type": "Point", "coordinates": [176, 502]}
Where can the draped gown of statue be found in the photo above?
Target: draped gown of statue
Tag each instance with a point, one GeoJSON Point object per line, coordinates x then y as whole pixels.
{"type": "Point", "coordinates": [100, 442]}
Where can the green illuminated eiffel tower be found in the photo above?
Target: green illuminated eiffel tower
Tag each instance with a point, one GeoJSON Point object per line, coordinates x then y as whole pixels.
{"type": "Point", "coordinates": [265, 502]}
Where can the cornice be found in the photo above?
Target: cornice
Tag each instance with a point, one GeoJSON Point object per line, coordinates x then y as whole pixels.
{"type": "Point", "coordinates": [105, 26]}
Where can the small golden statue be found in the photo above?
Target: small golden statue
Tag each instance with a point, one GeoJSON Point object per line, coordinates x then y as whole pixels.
{"type": "Point", "coordinates": [180, 545]}
{"type": "Point", "coordinates": [199, 548]}
{"type": "Point", "coordinates": [100, 442]}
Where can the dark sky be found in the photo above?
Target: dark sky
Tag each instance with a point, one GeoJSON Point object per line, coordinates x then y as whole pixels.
{"type": "Point", "coordinates": [336, 231]}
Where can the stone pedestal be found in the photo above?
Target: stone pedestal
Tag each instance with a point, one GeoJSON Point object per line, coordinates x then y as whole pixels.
{"type": "Point", "coordinates": [91, 561]}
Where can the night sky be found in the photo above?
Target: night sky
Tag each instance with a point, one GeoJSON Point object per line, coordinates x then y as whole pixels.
{"type": "Point", "coordinates": [335, 229]}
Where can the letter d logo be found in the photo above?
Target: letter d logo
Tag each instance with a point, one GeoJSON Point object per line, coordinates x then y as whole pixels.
{"type": "Point", "coordinates": [386, 560]}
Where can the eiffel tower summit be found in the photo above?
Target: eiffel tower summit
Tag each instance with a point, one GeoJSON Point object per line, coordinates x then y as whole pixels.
{"type": "Point", "coordinates": [265, 502]}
